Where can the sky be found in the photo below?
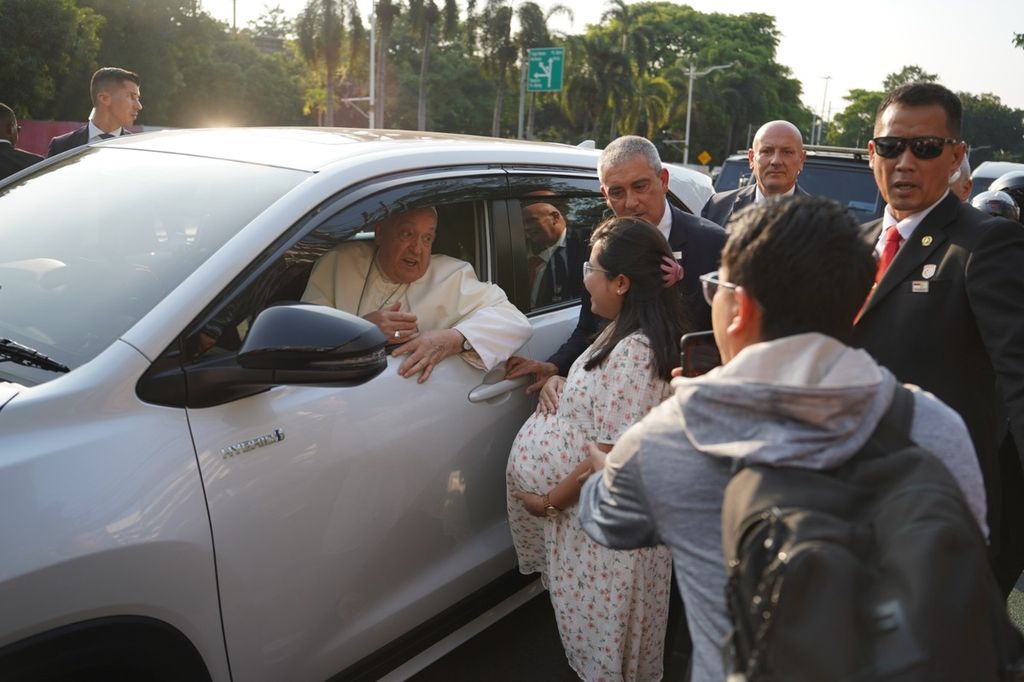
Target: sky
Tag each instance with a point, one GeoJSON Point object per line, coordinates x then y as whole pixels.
{"type": "Point", "coordinates": [967, 44]}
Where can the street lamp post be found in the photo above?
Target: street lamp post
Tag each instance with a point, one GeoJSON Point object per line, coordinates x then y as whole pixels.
{"type": "Point", "coordinates": [689, 103]}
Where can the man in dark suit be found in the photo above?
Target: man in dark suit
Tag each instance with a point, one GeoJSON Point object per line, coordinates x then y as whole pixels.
{"type": "Point", "coordinates": [947, 311]}
{"type": "Point", "coordinates": [635, 184]}
{"type": "Point", "coordinates": [776, 159]}
{"type": "Point", "coordinates": [556, 263]}
{"type": "Point", "coordinates": [116, 101]}
{"type": "Point", "coordinates": [12, 159]}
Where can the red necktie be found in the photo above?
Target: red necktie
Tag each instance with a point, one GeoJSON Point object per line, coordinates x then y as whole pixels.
{"type": "Point", "coordinates": [893, 239]}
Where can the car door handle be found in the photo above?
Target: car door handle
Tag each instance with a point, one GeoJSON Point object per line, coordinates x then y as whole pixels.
{"type": "Point", "coordinates": [485, 392]}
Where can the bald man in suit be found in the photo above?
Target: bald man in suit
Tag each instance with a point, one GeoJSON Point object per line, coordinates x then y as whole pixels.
{"type": "Point", "coordinates": [776, 159]}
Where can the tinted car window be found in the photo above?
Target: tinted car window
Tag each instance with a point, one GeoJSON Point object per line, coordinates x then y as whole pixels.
{"type": "Point", "coordinates": [111, 244]}
{"type": "Point", "coordinates": [854, 188]}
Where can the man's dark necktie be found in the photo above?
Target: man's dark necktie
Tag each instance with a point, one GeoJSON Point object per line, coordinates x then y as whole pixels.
{"type": "Point", "coordinates": [106, 136]}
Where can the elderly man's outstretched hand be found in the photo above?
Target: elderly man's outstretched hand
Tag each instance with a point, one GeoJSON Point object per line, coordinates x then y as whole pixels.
{"type": "Point", "coordinates": [397, 327]}
{"type": "Point", "coordinates": [426, 350]}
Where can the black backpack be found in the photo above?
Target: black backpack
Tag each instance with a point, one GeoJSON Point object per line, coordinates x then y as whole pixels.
{"type": "Point", "coordinates": [874, 570]}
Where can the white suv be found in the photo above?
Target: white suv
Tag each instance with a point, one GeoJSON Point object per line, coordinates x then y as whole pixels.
{"type": "Point", "coordinates": [189, 489]}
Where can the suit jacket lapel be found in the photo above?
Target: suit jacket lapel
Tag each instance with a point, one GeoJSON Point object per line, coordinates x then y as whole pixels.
{"type": "Point", "coordinates": [745, 197]}
{"type": "Point", "coordinates": [928, 236]}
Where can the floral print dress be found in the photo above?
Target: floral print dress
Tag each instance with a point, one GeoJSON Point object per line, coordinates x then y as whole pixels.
{"type": "Point", "coordinates": [611, 606]}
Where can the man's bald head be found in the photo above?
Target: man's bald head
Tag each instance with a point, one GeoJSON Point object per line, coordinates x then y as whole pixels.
{"type": "Point", "coordinates": [777, 157]}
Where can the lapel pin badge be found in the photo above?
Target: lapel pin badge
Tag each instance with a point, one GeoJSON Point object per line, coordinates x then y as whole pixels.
{"type": "Point", "coordinates": [926, 240]}
{"type": "Point", "coordinates": [678, 255]}
{"type": "Point", "coordinates": [929, 271]}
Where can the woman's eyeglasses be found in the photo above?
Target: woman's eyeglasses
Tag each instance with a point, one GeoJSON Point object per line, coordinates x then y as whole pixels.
{"type": "Point", "coordinates": [928, 147]}
{"type": "Point", "coordinates": [588, 268]}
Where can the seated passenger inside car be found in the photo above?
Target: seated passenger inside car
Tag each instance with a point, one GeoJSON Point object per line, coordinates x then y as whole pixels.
{"type": "Point", "coordinates": [428, 306]}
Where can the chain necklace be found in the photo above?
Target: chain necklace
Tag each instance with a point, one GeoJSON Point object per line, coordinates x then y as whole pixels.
{"type": "Point", "coordinates": [380, 274]}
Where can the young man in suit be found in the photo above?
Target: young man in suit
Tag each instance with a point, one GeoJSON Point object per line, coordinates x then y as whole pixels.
{"type": "Point", "coordinates": [116, 101]}
{"type": "Point", "coordinates": [635, 184]}
{"type": "Point", "coordinates": [947, 310]}
{"type": "Point", "coordinates": [776, 159]}
{"type": "Point", "coordinates": [12, 159]}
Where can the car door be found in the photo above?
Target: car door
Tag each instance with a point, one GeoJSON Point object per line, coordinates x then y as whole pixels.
{"type": "Point", "coordinates": [344, 517]}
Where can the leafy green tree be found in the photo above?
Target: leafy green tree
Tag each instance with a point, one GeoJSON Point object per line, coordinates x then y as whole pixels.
{"type": "Point", "coordinates": [48, 51]}
{"type": "Point", "coordinates": [1018, 40]}
{"type": "Point", "coordinates": [993, 128]}
{"type": "Point", "coordinates": [855, 125]}
{"type": "Point", "coordinates": [908, 74]}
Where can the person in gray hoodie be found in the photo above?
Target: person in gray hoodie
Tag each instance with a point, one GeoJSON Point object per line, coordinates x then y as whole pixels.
{"type": "Point", "coordinates": [794, 273]}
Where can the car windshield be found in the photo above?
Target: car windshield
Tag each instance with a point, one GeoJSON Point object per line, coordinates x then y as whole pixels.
{"type": "Point", "coordinates": [90, 245]}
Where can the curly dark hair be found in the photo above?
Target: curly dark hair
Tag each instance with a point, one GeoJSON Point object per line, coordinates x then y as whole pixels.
{"type": "Point", "coordinates": [806, 262]}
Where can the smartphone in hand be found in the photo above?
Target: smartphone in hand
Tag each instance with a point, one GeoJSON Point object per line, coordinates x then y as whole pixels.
{"type": "Point", "coordinates": [698, 353]}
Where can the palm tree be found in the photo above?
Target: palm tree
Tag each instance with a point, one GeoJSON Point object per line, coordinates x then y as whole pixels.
{"type": "Point", "coordinates": [387, 12]}
{"type": "Point", "coordinates": [424, 15]}
{"type": "Point", "coordinates": [600, 76]}
{"type": "Point", "coordinates": [499, 52]}
{"type": "Point", "coordinates": [534, 32]}
{"type": "Point", "coordinates": [320, 31]}
{"type": "Point", "coordinates": [650, 106]}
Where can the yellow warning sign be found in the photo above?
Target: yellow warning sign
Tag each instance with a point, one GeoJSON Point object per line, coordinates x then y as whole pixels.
{"type": "Point", "coordinates": [704, 157]}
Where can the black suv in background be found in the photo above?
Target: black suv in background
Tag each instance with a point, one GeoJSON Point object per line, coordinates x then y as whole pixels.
{"type": "Point", "coordinates": [839, 173]}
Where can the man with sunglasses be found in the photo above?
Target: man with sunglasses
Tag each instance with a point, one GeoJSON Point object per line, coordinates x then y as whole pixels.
{"type": "Point", "coordinates": [776, 159]}
{"type": "Point", "coordinates": [947, 310]}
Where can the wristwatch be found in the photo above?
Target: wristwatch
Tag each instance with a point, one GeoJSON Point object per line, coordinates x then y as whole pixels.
{"type": "Point", "coordinates": [549, 509]}
{"type": "Point", "coordinates": [466, 345]}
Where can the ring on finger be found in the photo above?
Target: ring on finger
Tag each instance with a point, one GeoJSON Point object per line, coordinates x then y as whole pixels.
{"type": "Point", "coordinates": [398, 334]}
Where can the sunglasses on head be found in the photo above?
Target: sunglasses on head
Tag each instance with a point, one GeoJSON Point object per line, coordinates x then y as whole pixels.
{"type": "Point", "coordinates": [928, 147]}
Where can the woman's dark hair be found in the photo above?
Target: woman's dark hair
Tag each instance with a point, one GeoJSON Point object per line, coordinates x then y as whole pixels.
{"type": "Point", "coordinates": [634, 248]}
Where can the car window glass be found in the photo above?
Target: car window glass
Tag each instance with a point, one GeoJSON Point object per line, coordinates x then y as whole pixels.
{"type": "Point", "coordinates": [92, 244]}
{"type": "Point", "coordinates": [554, 217]}
{"type": "Point", "coordinates": [464, 231]}
{"type": "Point", "coordinates": [557, 234]}
{"type": "Point", "coordinates": [854, 187]}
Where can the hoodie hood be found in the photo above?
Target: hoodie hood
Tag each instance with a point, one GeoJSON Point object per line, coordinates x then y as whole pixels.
{"type": "Point", "coordinates": [805, 401]}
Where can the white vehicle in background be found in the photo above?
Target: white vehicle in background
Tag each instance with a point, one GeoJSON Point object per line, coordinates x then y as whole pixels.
{"type": "Point", "coordinates": [199, 478]}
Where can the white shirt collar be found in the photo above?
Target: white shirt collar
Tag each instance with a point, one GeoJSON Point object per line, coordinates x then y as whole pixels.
{"type": "Point", "coordinates": [94, 132]}
{"type": "Point", "coordinates": [758, 197]}
{"type": "Point", "coordinates": [906, 226]}
{"type": "Point", "coordinates": [665, 224]}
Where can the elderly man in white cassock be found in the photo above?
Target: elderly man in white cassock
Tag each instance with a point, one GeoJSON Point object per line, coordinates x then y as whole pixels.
{"type": "Point", "coordinates": [429, 306]}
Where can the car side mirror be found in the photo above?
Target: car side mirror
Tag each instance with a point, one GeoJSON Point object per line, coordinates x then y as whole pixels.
{"type": "Point", "coordinates": [307, 345]}
{"type": "Point", "coordinates": [313, 344]}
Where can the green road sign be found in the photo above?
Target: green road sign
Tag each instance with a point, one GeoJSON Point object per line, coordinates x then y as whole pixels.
{"type": "Point", "coordinates": [545, 69]}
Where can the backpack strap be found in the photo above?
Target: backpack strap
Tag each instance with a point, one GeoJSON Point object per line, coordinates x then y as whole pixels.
{"type": "Point", "coordinates": [893, 430]}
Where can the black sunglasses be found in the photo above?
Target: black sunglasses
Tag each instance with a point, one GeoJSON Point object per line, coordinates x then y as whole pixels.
{"type": "Point", "coordinates": [928, 147]}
